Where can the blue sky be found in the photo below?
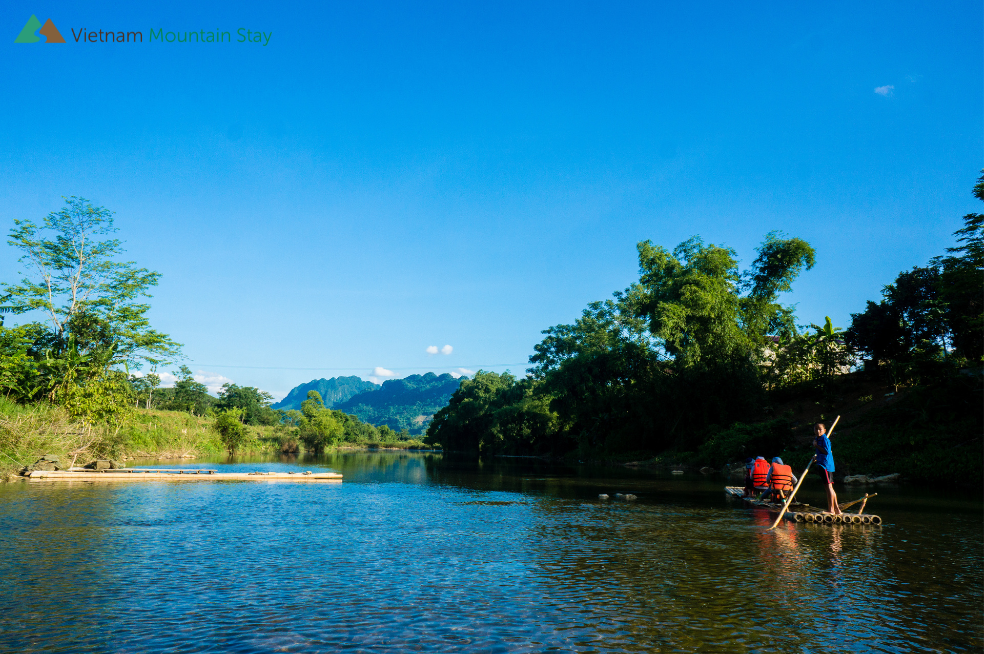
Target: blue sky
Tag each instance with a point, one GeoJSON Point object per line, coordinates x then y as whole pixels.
{"type": "Point", "coordinates": [385, 177]}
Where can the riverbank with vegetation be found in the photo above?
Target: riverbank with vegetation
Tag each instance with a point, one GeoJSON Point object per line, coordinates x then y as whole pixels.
{"type": "Point", "coordinates": [698, 363]}
{"type": "Point", "coordinates": [28, 432]}
{"type": "Point", "coordinates": [70, 385]}
{"type": "Point", "coordinates": [921, 433]}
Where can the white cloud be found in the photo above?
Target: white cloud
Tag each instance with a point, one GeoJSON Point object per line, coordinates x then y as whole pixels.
{"type": "Point", "coordinates": [213, 381]}
{"type": "Point", "coordinates": [446, 349]}
{"type": "Point", "coordinates": [382, 372]}
{"type": "Point", "coordinates": [431, 349]}
{"type": "Point", "coordinates": [167, 379]}
{"type": "Point", "coordinates": [462, 372]}
{"type": "Point", "coordinates": [885, 91]}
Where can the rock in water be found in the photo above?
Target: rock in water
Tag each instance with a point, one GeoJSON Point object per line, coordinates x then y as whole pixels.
{"type": "Point", "coordinates": [706, 470]}
{"type": "Point", "coordinates": [630, 497]}
{"type": "Point", "coordinates": [602, 496]}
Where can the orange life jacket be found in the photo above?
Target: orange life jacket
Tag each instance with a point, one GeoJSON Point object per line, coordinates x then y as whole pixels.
{"type": "Point", "coordinates": [782, 477]}
{"type": "Point", "coordinates": [760, 472]}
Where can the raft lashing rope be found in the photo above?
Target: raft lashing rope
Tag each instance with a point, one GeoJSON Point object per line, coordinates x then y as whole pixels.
{"type": "Point", "coordinates": [831, 519]}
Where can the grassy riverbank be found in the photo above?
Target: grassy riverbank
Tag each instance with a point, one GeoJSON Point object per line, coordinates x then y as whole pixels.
{"type": "Point", "coordinates": [29, 431]}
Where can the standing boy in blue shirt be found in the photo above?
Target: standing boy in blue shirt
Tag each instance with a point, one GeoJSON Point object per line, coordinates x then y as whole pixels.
{"type": "Point", "coordinates": [825, 459]}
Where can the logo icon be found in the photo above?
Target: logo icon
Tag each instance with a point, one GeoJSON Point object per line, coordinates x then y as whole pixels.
{"type": "Point", "coordinates": [48, 30]}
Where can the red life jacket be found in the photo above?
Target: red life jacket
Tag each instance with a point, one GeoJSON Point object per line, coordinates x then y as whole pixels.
{"type": "Point", "coordinates": [782, 477]}
{"type": "Point", "coordinates": [760, 472]}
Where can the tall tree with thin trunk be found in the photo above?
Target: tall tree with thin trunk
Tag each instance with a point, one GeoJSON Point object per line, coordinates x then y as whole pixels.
{"type": "Point", "coordinates": [76, 278]}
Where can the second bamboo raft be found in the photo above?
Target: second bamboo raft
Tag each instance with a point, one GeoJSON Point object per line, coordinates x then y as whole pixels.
{"type": "Point", "coordinates": [173, 474]}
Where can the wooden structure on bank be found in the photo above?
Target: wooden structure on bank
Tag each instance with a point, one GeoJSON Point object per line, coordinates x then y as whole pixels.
{"type": "Point", "coordinates": [799, 512]}
{"type": "Point", "coordinates": [178, 474]}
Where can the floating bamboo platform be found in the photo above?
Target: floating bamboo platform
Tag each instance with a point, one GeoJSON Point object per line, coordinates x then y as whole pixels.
{"type": "Point", "coordinates": [799, 512]}
{"type": "Point", "coordinates": [174, 474]}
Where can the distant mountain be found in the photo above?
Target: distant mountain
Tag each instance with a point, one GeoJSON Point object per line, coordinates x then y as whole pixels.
{"type": "Point", "coordinates": [333, 391]}
{"type": "Point", "coordinates": [407, 403]}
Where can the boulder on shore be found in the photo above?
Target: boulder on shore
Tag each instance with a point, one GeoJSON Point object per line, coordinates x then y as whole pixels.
{"type": "Point", "coordinates": [103, 464]}
{"type": "Point", "coordinates": [47, 463]}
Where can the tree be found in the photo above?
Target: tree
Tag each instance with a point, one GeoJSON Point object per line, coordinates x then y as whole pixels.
{"type": "Point", "coordinates": [467, 419]}
{"type": "Point", "coordinates": [229, 424]}
{"type": "Point", "coordinates": [907, 317]}
{"type": "Point", "coordinates": [19, 375]}
{"type": "Point", "coordinates": [807, 357]}
{"type": "Point", "coordinates": [320, 428]}
{"type": "Point", "coordinates": [703, 309]}
{"type": "Point", "coordinates": [931, 311]}
{"type": "Point", "coordinates": [153, 383]}
{"type": "Point", "coordinates": [676, 352]}
{"type": "Point", "coordinates": [77, 280]}
{"type": "Point", "coordinates": [254, 403]}
{"type": "Point", "coordinates": [962, 285]}
{"type": "Point", "coordinates": [190, 395]}
{"type": "Point", "coordinates": [144, 387]}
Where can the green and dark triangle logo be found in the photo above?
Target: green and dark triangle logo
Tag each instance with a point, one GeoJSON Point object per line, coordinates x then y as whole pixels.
{"type": "Point", "coordinates": [49, 31]}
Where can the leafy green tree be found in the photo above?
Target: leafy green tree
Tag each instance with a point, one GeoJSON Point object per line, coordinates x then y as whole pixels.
{"type": "Point", "coordinates": [77, 280]}
{"type": "Point", "coordinates": [153, 382]}
{"type": "Point", "coordinates": [356, 431]}
{"type": "Point", "coordinates": [907, 317]}
{"type": "Point", "coordinates": [495, 414]}
{"type": "Point", "coordinates": [799, 358]}
{"type": "Point", "coordinates": [254, 403]}
{"type": "Point", "coordinates": [105, 399]}
{"type": "Point", "coordinates": [140, 389]}
{"type": "Point", "coordinates": [703, 309]}
{"type": "Point", "coordinates": [676, 352]}
{"type": "Point", "coordinates": [19, 374]}
{"type": "Point", "coordinates": [320, 428]}
{"type": "Point", "coordinates": [467, 419]}
{"type": "Point", "coordinates": [935, 311]}
{"type": "Point", "coordinates": [962, 286]}
{"type": "Point", "coordinates": [190, 395]}
{"type": "Point", "coordinates": [229, 424]}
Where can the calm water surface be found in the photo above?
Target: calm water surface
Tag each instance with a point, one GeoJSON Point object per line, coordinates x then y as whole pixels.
{"type": "Point", "coordinates": [418, 552]}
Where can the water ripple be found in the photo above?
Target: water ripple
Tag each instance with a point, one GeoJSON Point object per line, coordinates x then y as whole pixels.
{"type": "Point", "coordinates": [412, 554]}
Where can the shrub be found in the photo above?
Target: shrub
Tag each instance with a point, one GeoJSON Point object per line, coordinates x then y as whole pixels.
{"type": "Point", "coordinates": [230, 427]}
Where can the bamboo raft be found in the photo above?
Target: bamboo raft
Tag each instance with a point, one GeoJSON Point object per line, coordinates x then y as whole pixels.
{"type": "Point", "coordinates": [176, 474]}
{"type": "Point", "coordinates": [799, 512]}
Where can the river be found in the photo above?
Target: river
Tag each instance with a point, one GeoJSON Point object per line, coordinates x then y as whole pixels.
{"type": "Point", "coordinates": [423, 552]}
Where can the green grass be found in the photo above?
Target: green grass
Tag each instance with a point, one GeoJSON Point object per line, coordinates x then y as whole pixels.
{"type": "Point", "coordinates": [29, 431]}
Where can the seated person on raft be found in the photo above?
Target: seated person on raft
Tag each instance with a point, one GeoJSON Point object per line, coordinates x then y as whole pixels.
{"type": "Point", "coordinates": [780, 481]}
{"type": "Point", "coordinates": [749, 486]}
{"type": "Point", "coordinates": [760, 475]}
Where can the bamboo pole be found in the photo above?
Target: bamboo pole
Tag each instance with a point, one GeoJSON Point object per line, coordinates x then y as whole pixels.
{"type": "Point", "coordinates": [861, 499]}
{"type": "Point", "coordinates": [789, 500]}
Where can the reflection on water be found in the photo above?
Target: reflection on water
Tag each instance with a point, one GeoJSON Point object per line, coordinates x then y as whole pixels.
{"type": "Point", "coordinates": [422, 552]}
